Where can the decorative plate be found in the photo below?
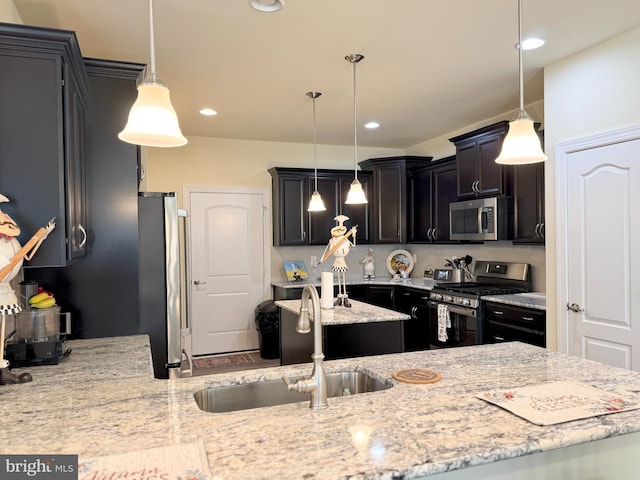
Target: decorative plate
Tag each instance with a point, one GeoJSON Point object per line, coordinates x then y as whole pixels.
{"type": "Point", "coordinates": [399, 260]}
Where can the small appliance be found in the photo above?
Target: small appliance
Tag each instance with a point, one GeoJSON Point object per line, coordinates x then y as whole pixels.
{"type": "Point", "coordinates": [481, 219]}
{"type": "Point", "coordinates": [37, 338]}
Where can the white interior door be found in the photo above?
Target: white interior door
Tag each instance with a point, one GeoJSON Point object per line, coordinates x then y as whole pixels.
{"type": "Point", "coordinates": [602, 253]}
{"type": "Point", "coordinates": [228, 269]}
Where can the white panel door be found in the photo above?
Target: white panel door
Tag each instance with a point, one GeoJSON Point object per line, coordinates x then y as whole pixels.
{"type": "Point", "coordinates": [227, 270]}
{"type": "Point", "coordinates": [603, 253]}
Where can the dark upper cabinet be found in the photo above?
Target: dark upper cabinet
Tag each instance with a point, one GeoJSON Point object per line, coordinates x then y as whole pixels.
{"type": "Point", "coordinates": [293, 225]}
{"type": "Point", "coordinates": [101, 290]}
{"type": "Point", "coordinates": [478, 173]}
{"type": "Point", "coordinates": [431, 189]}
{"type": "Point", "coordinates": [528, 203]}
{"type": "Point", "coordinates": [389, 197]}
{"type": "Point", "coordinates": [43, 94]}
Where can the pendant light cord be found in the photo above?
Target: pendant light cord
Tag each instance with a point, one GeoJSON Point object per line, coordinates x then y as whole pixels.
{"type": "Point", "coordinates": [355, 125]}
{"type": "Point", "coordinates": [520, 68]}
{"type": "Point", "coordinates": [315, 148]}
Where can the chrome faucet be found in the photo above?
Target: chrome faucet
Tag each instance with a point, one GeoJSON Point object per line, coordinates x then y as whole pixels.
{"type": "Point", "coordinates": [316, 384]}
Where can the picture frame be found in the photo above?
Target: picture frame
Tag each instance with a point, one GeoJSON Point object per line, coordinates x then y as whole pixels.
{"type": "Point", "coordinates": [295, 270]}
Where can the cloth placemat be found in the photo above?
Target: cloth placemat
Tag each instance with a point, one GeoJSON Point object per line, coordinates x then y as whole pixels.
{"type": "Point", "coordinates": [557, 402]}
{"type": "Point", "coordinates": [175, 462]}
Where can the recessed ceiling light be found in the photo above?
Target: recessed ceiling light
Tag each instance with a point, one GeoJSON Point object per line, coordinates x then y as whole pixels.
{"type": "Point", "coordinates": [266, 5]}
{"type": "Point", "coordinates": [531, 43]}
{"type": "Point", "coordinates": [209, 112]}
{"type": "Point", "coordinates": [371, 125]}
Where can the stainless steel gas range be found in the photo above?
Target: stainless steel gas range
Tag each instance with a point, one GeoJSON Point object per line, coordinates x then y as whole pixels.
{"type": "Point", "coordinates": [456, 308]}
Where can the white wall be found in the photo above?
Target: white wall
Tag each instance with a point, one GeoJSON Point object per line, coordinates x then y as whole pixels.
{"type": "Point", "coordinates": [219, 161]}
{"type": "Point", "coordinates": [8, 12]}
{"type": "Point", "coordinates": [441, 147]}
{"type": "Point", "coordinates": [594, 91]}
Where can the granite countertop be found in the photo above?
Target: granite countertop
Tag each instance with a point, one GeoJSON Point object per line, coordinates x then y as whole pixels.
{"type": "Point", "coordinates": [358, 313]}
{"type": "Point", "coordinates": [535, 300]}
{"type": "Point", "coordinates": [103, 400]}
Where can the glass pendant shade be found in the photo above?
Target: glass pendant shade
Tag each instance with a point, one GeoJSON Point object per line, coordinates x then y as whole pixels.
{"type": "Point", "coordinates": [316, 204]}
{"type": "Point", "coordinates": [152, 120]}
{"type": "Point", "coordinates": [356, 194]}
{"type": "Point", "coordinates": [521, 146]}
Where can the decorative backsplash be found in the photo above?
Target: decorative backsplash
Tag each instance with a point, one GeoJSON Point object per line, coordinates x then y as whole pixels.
{"type": "Point", "coordinates": [426, 257]}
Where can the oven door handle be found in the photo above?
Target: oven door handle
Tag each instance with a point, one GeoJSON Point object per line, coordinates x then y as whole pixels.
{"type": "Point", "coordinates": [467, 312]}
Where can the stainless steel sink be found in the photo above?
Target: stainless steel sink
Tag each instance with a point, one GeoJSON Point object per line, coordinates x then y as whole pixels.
{"type": "Point", "coordinates": [274, 392]}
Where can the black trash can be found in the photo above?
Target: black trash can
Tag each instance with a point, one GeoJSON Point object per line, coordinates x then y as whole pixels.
{"type": "Point", "coordinates": [268, 326]}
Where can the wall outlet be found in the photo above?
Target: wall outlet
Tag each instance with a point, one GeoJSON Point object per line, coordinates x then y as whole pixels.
{"type": "Point", "coordinates": [314, 261]}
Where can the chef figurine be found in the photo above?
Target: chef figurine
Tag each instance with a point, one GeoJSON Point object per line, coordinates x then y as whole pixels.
{"type": "Point", "coordinates": [368, 265]}
{"type": "Point", "coordinates": [11, 258]}
{"type": "Point", "coordinates": [339, 246]}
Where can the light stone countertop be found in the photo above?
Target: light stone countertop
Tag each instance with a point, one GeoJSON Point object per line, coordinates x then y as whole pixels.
{"type": "Point", "coordinates": [358, 313]}
{"type": "Point", "coordinates": [103, 400]}
{"type": "Point", "coordinates": [535, 300]}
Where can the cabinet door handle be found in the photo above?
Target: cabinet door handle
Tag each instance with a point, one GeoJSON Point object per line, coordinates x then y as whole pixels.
{"type": "Point", "coordinates": [542, 230]}
{"type": "Point", "coordinates": [428, 234]}
{"type": "Point", "coordinates": [199, 282]}
{"type": "Point", "coordinates": [528, 319]}
{"type": "Point", "coordinates": [499, 339]}
{"type": "Point", "coordinates": [434, 234]}
{"type": "Point", "coordinates": [304, 235]}
{"type": "Point", "coordinates": [84, 236]}
{"type": "Point", "coordinates": [497, 312]}
{"type": "Point", "coordinates": [536, 231]}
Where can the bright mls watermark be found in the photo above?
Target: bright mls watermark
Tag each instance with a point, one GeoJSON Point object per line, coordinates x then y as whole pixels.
{"type": "Point", "coordinates": [39, 467]}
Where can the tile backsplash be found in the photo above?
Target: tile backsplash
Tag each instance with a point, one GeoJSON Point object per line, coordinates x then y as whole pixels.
{"type": "Point", "coordinates": [425, 257]}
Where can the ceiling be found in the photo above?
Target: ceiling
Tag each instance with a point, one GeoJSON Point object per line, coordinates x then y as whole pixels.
{"type": "Point", "coordinates": [430, 66]}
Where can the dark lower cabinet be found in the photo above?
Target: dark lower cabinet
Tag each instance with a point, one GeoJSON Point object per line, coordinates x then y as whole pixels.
{"type": "Point", "coordinates": [363, 339]}
{"type": "Point", "coordinates": [339, 341]}
{"type": "Point", "coordinates": [416, 330]}
{"type": "Point", "coordinates": [381, 295]}
{"type": "Point", "coordinates": [506, 323]}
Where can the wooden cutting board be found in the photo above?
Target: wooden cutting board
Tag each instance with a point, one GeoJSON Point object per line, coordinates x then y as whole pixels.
{"type": "Point", "coordinates": [416, 375]}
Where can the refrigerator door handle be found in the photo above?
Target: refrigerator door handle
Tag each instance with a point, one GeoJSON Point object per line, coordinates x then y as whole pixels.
{"type": "Point", "coordinates": [186, 319]}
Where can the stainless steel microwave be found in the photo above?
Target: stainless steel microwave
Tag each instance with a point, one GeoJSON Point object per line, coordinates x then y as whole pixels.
{"type": "Point", "coordinates": [481, 219]}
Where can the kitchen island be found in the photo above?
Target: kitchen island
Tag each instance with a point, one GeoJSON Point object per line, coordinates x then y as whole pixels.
{"type": "Point", "coordinates": [361, 330]}
{"type": "Point", "coordinates": [103, 400]}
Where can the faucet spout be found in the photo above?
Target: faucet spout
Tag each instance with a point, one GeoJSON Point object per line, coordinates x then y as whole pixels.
{"type": "Point", "coordinates": [316, 384]}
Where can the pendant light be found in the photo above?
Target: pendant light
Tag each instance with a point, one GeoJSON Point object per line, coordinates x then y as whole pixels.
{"type": "Point", "coordinates": [356, 193]}
{"type": "Point", "coordinates": [152, 120]}
{"type": "Point", "coordinates": [521, 145]}
{"type": "Point", "coordinates": [315, 204]}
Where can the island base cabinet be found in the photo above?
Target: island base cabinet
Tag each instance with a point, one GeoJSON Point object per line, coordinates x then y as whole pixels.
{"type": "Point", "coordinates": [339, 341]}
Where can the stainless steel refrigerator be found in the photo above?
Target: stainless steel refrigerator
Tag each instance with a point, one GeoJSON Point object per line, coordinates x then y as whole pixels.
{"type": "Point", "coordinates": [163, 308]}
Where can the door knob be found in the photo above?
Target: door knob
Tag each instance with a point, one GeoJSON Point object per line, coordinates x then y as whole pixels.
{"type": "Point", "coordinates": [198, 282]}
{"type": "Point", "coordinates": [574, 307]}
